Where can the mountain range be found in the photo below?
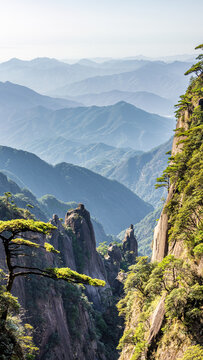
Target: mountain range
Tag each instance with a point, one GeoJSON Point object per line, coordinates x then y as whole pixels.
{"type": "Point", "coordinates": [162, 79]}
{"type": "Point", "coordinates": [139, 173]}
{"type": "Point", "coordinates": [142, 99]}
{"type": "Point", "coordinates": [119, 125]}
{"type": "Point", "coordinates": [136, 170]}
{"type": "Point", "coordinates": [16, 97]}
{"type": "Point", "coordinates": [45, 74]}
{"type": "Point", "coordinates": [98, 157]}
{"type": "Point", "coordinates": [110, 202]}
{"type": "Point", "coordinates": [44, 207]}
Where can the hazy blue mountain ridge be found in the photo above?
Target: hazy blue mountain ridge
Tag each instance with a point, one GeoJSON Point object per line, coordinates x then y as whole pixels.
{"type": "Point", "coordinates": [119, 125]}
{"type": "Point", "coordinates": [111, 203]}
{"type": "Point", "coordinates": [141, 99]}
{"type": "Point", "coordinates": [44, 208]}
{"type": "Point", "coordinates": [14, 96]}
{"type": "Point", "coordinates": [46, 74]}
{"type": "Point", "coordinates": [162, 79]}
{"type": "Point", "coordinates": [139, 173]}
{"type": "Point", "coordinates": [91, 156]}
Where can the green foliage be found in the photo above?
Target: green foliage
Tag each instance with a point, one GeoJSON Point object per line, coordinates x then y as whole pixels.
{"type": "Point", "coordinates": [14, 246]}
{"type": "Point", "coordinates": [139, 275]}
{"type": "Point", "coordinates": [102, 249]}
{"type": "Point", "coordinates": [10, 211]}
{"type": "Point", "coordinates": [193, 353]}
{"type": "Point", "coordinates": [127, 338]}
{"type": "Point", "coordinates": [169, 274]}
{"type": "Point", "coordinates": [101, 326]}
{"type": "Point", "coordinates": [198, 250]}
{"type": "Point", "coordinates": [164, 181]}
{"type": "Point", "coordinates": [140, 343]}
{"type": "Point", "coordinates": [7, 300]}
{"type": "Point", "coordinates": [185, 172]}
{"type": "Point", "coordinates": [30, 206]}
{"type": "Point", "coordinates": [198, 67]}
{"type": "Point", "coordinates": [8, 197]}
{"type": "Point", "coordinates": [16, 340]}
{"type": "Point", "coordinates": [50, 248]}
{"type": "Point", "coordinates": [19, 241]}
{"type": "Point", "coordinates": [21, 225]}
{"type": "Point", "coordinates": [173, 279]}
{"type": "Point", "coordinates": [73, 277]}
{"type": "Point", "coordinates": [175, 303]}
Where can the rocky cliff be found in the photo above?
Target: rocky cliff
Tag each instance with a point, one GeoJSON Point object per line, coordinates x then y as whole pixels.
{"type": "Point", "coordinates": [119, 256]}
{"type": "Point", "coordinates": [69, 322]}
{"type": "Point", "coordinates": [163, 299]}
{"type": "Point", "coordinates": [160, 241]}
{"type": "Point", "coordinates": [88, 261]}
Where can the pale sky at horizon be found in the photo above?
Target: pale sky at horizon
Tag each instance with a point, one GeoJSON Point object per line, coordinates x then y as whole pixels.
{"type": "Point", "coordinates": [107, 28]}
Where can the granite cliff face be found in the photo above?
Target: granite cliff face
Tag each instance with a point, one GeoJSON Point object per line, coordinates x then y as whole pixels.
{"type": "Point", "coordinates": [67, 325]}
{"type": "Point", "coordinates": [160, 246]}
{"type": "Point", "coordinates": [62, 307]}
{"type": "Point", "coordinates": [163, 298]}
{"type": "Point", "coordinates": [87, 260]}
{"type": "Point", "coordinates": [117, 260]}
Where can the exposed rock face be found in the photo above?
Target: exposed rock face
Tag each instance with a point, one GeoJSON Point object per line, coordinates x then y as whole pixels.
{"type": "Point", "coordinates": [114, 253]}
{"type": "Point", "coordinates": [62, 242]}
{"type": "Point", "coordinates": [112, 264]}
{"type": "Point", "coordinates": [52, 308]}
{"type": "Point", "coordinates": [160, 241]}
{"type": "Point", "coordinates": [156, 320]}
{"type": "Point", "coordinates": [65, 328]}
{"type": "Point", "coordinates": [160, 246]}
{"type": "Point", "coordinates": [126, 253]}
{"type": "Point", "coordinates": [130, 247]}
{"type": "Point", "coordinates": [88, 261]}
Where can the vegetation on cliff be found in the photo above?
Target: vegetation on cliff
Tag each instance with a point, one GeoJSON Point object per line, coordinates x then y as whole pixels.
{"type": "Point", "coordinates": [147, 284]}
{"type": "Point", "coordinates": [163, 301]}
{"type": "Point", "coordinates": [185, 170]}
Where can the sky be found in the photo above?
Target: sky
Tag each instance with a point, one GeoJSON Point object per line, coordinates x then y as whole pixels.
{"type": "Point", "coordinates": [99, 28]}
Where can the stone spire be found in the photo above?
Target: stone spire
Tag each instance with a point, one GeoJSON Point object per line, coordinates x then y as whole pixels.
{"type": "Point", "coordinates": [130, 247]}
